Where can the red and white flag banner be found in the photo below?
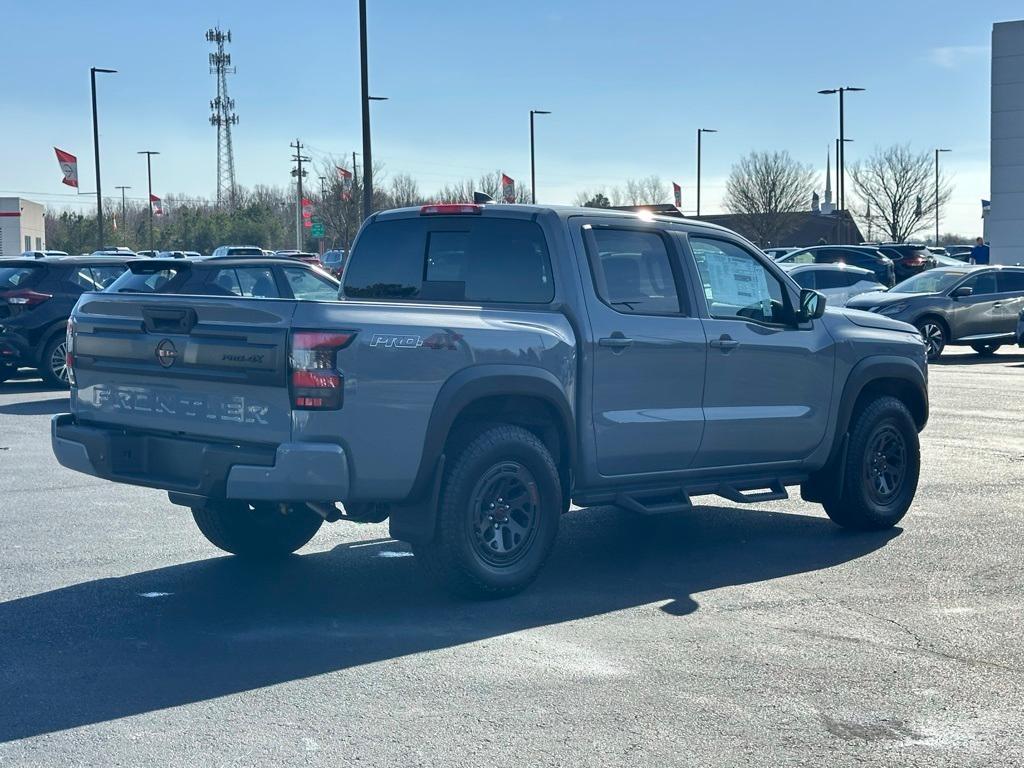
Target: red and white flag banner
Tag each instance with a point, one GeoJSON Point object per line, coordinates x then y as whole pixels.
{"type": "Point", "coordinates": [345, 177]}
{"type": "Point", "coordinates": [508, 189]}
{"type": "Point", "coordinates": [156, 205]}
{"type": "Point", "coordinates": [677, 191]}
{"type": "Point", "coordinates": [68, 166]}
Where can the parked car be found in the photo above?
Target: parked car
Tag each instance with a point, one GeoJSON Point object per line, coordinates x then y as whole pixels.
{"type": "Point", "coordinates": [248, 276]}
{"type": "Point", "coordinates": [40, 254]}
{"type": "Point", "coordinates": [179, 255]}
{"type": "Point", "coordinates": [237, 250]}
{"type": "Point", "coordinates": [865, 257]}
{"type": "Point", "coordinates": [486, 365]}
{"type": "Point", "coordinates": [148, 254]}
{"type": "Point", "coordinates": [334, 262]}
{"type": "Point", "coordinates": [36, 297]}
{"type": "Point", "coordinates": [908, 259]}
{"type": "Point", "coordinates": [970, 306]}
{"type": "Point", "coordinates": [308, 258]}
{"type": "Point", "coordinates": [837, 282]}
{"type": "Point", "coordinates": [960, 252]}
{"type": "Point", "coordinates": [776, 253]}
{"type": "Point", "coordinates": [937, 250]}
{"type": "Point", "coordinates": [947, 261]}
{"type": "Point", "coordinates": [118, 250]}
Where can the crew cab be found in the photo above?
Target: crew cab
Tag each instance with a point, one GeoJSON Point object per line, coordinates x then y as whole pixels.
{"type": "Point", "coordinates": [483, 366]}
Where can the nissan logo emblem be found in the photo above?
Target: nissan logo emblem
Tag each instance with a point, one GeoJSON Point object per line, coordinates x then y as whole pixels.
{"type": "Point", "coordinates": [166, 354]}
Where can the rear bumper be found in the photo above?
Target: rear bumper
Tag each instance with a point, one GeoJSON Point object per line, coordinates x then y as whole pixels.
{"type": "Point", "coordinates": [195, 468]}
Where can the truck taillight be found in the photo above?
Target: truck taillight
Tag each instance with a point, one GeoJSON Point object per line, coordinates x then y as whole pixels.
{"type": "Point", "coordinates": [69, 352]}
{"type": "Point", "coordinates": [449, 209]}
{"type": "Point", "coordinates": [25, 297]}
{"type": "Point", "coordinates": [316, 382]}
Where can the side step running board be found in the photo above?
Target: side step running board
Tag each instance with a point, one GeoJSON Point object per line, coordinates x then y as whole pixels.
{"type": "Point", "coordinates": [661, 500]}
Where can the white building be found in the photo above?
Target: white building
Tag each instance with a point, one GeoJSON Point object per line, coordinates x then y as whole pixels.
{"type": "Point", "coordinates": [1004, 225]}
{"type": "Point", "coordinates": [21, 226]}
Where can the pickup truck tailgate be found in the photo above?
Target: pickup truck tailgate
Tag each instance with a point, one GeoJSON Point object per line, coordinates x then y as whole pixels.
{"type": "Point", "coordinates": [205, 366]}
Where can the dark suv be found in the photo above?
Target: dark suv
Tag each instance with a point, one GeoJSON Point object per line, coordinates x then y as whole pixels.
{"type": "Point", "coordinates": [865, 257]}
{"type": "Point", "coordinates": [261, 277]}
{"type": "Point", "coordinates": [969, 306]}
{"type": "Point", "coordinates": [36, 299]}
{"type": "Point", "coordinates": [909, 258]}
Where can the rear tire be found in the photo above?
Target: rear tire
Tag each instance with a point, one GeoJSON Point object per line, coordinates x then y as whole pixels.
{"type": "Point", "coordinates": [53, 366]}
{"type": "Point", "coordinates": [985, 350]}
{"type": "Point", "coordinates": [881, 470]}
{"type": "Point", "coordinates": [257, 531]}
{"type": "Point", "coordinates": [497, 517]}
{"type": "Point", "coordinates": [933, 332]}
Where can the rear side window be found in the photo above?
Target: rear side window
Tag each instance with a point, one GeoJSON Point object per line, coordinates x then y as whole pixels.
{"type": "Point", "coordinates": [828, 278]}
{"type": "Point", "coordinates": [104, 275]}
{"type": "Point", "coordinates": [1011, 282]}
{"type": "Point", "coordinates": [254, 282]}
{"type": "Point", "coordinates": [804, 279]}
{"type": "Point", "coordinates": [632, 271]}
{"type": "Point", "coordinates": [12, 278]}
{"type": "Point", "coordinates": [451, 258]}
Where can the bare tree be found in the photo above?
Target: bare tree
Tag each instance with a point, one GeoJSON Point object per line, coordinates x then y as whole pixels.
{"type": "Point", "coordinates": [768, 189]}
{"type": "Point", "coordinates": [649, 190]}
{"type": "Point", "coordinates": [898, 185]}
{"type": "Point", "coordinates": [404, 192]}
{"type": "Point", "coordinates": [488, 183]}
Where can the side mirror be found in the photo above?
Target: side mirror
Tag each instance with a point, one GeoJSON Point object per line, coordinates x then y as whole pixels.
{"type": "Point", "coordinates": [812, 305]}
{"type": "Point", "coordinates": [963, 291]}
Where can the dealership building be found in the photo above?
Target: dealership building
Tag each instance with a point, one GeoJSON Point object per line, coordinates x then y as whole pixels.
{"type": "Point", "coordinates": [21, 226]}
{"type": "Point", "coordinates": [1004, 221]}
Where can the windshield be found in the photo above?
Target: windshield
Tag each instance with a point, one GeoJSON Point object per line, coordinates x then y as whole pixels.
{"type": "Point", "coordinates": [12, 278]}
{"type": "Point", "coordinates": [932, 281]}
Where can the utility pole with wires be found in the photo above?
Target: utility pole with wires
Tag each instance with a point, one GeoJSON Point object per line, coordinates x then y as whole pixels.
{"type": "Point", "coordinates": [298, 158]}
{"type": "Point", "coordinates": [124, 216]}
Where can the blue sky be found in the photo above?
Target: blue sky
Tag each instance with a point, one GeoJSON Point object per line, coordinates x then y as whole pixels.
{"type": "Point", "coordinates": [628, 84]}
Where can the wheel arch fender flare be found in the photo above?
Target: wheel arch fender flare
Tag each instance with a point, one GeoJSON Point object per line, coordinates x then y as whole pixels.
{"type": "Point", "coordinates": [900, 375]}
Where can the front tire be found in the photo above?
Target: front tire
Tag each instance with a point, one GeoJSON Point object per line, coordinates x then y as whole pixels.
{"type": "Point", "coordinates": [497, 517]}
{"type": "Point", "coordinates": [933, 333]}
{"type": "Point", "coordinates": [257, 531]}
{"type": "Point", "coordinates": [53, 366]}
{"type": "Point", "coordinates": [881, 470]}
{"type": "Point", "coordinates": [986, 350]}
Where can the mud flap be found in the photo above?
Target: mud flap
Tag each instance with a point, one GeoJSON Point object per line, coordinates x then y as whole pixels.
{"type": "Point", "coordinates": [829, 479]}
{"type": "Point", "coordinates": [415, 522]}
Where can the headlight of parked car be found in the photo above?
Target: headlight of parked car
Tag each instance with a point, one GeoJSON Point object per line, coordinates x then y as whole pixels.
{"type": "Point", "coordinates": [892, 309]}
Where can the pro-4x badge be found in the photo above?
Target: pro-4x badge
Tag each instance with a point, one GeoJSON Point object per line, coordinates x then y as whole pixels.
{"type": "Point", "coordinates": [397, 342]}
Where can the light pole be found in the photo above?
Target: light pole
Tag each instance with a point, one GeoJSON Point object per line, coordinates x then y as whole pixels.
{"type": "Point", "coordinates": [841, 181]}
{"type": "Point", "coordinates": [364, 78]}
{"type": "Point", "coordinates": [124, 215]}
{"type": "Point", "coordinates": [533, 156]}
{"type": "Point", "coordinates": [149, 179]}
{"type": "Point", "coordinates": [701, 131]}
{"type": "Point", "coordinates": [937, 151]}
{"type": "Point", "coordinates": [96, 150]}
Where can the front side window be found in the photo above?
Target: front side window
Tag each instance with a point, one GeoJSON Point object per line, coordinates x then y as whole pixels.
{"type": "Point", "coordinates": [308, 286]}
{"type": "Point", "coordinates": [79, 279]}
{"type": "Point", "coordinates": [982, 285]}
{"type": "Point", "coordinates": [736, 285]}
{"type": "Point", "coordinates": [828, 278]}
{"type": "Point", "coordinates": [632, 271]}
{"type": "Point", "coordinates": [804, 279]}
{"type": "Point", "coordinates": [105, 275]}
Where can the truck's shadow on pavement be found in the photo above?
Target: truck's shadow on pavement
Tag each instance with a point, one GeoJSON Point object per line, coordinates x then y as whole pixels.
{"type": "Point", "coordinates": [46, 407]}
{"type": "Point", "coordinates": [102, 650]}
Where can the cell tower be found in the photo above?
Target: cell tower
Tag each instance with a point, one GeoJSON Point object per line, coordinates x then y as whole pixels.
{"type": "Point", "coordinates": [223, 109]}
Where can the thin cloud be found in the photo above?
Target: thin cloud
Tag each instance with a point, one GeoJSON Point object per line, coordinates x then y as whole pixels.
{"type": "Point", "coordinates": [952, 56]}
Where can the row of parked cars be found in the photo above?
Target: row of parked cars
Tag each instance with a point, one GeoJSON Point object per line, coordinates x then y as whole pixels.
{"type": "Point", "coordinates": [38, 290]}
{"type": "Point", "coordinates": [949, 301]}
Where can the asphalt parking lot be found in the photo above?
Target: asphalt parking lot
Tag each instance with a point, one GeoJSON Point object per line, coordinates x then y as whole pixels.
{"type": "Point", "coordinates": [754, 636]}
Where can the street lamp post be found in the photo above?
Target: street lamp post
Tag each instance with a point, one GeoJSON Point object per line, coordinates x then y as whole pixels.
{"type": "Point", "coordinates": [149, 180]}
{"type": "Point", "coordinates": [96, 150]}
{"type": "Point", "coordinates": [533, 156]}
{"type": "Point", "coordinates": [364, 78]}
{"type": "Point", "coordinates": [701, 131]}
{"type": "Point", "coordinates": [841, 181]}
{"type": "Point", "coordinates": [937, 151]}
{"type": "Point", "coordinates": [124, 215]}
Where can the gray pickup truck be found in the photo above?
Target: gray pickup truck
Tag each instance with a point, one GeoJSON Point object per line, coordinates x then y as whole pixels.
{"type": "Point", "coordinates": [484, 367]}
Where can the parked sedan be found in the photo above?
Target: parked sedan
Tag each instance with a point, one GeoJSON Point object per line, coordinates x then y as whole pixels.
{"type": "Point", "coordinates": [259, 277]}
{"type": "Point", "coordinates": [908, 258]}
{"type": "Point", "coordinates": [36, 299]}
{"type": "Point", "coordinates": [838, 282]}
{"type": "Point", "coordinates": [865, 257]}
{"type": "Point", "coordinates": [971, 306]}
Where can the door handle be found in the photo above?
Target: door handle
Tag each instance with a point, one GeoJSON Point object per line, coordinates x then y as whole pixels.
{"type": "Point", "coordinates": [615, 342]}
{"type": "Point", "coordinates": [724, 343]}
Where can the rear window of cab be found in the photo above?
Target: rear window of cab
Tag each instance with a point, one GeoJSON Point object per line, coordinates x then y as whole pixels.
{"type": "Point", "coordinates": [451, 258]}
